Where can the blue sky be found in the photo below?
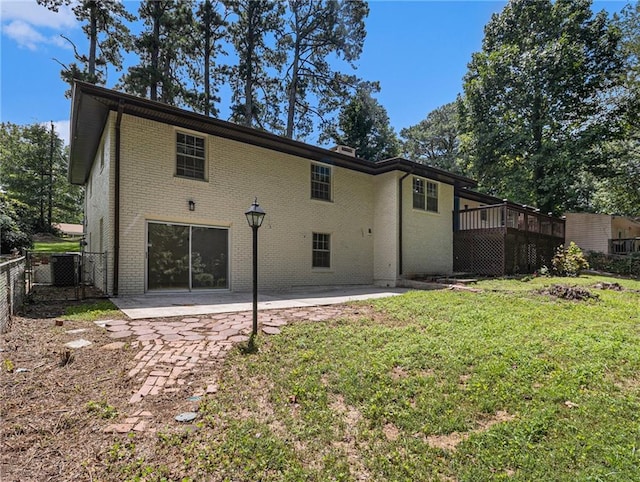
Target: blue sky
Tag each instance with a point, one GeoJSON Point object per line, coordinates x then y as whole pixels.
{"type": "Point", "coordinates": [418, 50]}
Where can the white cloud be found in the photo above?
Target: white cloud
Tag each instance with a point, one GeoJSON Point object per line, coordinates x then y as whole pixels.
{"type": "Point", "coordinates": [23, 34]}
{"type": "Point", "coordinates": [34, 14]}
{"type": "Point", "coordinates": [26, 22]}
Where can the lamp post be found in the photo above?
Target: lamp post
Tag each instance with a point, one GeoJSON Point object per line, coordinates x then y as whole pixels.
{"type": "Point", "coordinates": [255, 216]}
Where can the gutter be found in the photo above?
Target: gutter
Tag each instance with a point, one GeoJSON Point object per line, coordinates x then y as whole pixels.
{"type": "Point", "coordinates": [400, 220]}
{"type": "Point", "coordinates": [116, 203]}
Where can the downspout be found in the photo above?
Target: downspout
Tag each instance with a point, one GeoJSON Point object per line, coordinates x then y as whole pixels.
{"type": "Point", "coordinates": [116, 204]}
{"type": "Point", "coordinates": [400, 221]}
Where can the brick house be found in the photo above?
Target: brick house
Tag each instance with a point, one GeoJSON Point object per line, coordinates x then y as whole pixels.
{"type": "Point", "coordinates": [166, 192]}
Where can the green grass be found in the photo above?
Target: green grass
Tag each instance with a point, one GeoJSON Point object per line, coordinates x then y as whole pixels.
{"type": "Point", "coordinates": [56, 246]}
{"type": "Point", "coordinates": [92, 311]}
{"type": "Point", "coordinates": [522, 386]}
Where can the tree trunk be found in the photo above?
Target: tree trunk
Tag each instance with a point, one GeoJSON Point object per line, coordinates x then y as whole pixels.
{"type": "Point", "coordinates": [248, 84]}
{"type": "Point", "coordinates": [93, 41]}
{"type": "Point", "coordinates": [155, 51]}
{"type": "Point", "coordinates": [207, 56]}
{"type": "Point", "coordinates": [293, 89]}
{"type": "Point", "coordinates": [538, 161]}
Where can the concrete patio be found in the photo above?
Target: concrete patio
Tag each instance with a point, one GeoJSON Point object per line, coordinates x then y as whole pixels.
{"type": "Point", "coordinates": [161, 305]}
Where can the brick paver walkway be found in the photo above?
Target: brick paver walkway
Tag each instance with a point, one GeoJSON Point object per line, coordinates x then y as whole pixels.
{"type": "Point", "coordinates": [171, 350]}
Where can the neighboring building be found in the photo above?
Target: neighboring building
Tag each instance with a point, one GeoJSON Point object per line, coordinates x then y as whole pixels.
{"type": "Point", "coordinates": [603, 233]}
{"type": "Point", "coordinates": [166, 192]}
{"type": "Point", "coordinates": [67, 229]}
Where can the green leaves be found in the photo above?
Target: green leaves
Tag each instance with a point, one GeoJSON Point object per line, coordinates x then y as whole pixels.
{"type": "Point", "coordinates": [535, 99]}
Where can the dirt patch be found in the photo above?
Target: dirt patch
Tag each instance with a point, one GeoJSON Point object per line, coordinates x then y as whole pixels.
{"type": "Point", "coordinates": [398, 373]}
{"type": "Point", "coordinates": [391, 432]}
{"type": "Point", "coordinates": [351, 416]}
{"type": "Point", "coordinates": [608, 286]}
{"type": "Point", "coordinates": [450, 441]}
{"type": "Point", "coordinates": [55, 407]}
{"type": "Point", "coordinates": [574, 293]}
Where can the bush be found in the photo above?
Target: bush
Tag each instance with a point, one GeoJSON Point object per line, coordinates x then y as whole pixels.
{"type": "Point", "coordinates": [569, 261]}
{"type": "Point", "coordinates": [625, 265]}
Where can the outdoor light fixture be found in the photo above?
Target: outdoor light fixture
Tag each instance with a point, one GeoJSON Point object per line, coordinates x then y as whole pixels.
{"type": "Point", "coordinates": [255, 216]}
{"type": "Point", "coordinates": [192, 205]}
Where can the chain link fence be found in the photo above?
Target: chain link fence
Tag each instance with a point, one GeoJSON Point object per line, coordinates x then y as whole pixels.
{"type": "Point", "coordinates": [66, 276]}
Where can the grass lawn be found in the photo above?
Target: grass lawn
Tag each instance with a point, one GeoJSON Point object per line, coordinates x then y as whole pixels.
{"type": "Point", "coordinates": [57, 246]}
{"type": "Point", "coordinates": [505, 384]}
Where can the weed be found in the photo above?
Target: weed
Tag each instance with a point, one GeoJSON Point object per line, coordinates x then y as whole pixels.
{"type": "Point", "coordinates": [102, 409]}
{"type": "Point", "coordinates": [92, 311]}
{"type": "Point", "coordinates": [8, 366]}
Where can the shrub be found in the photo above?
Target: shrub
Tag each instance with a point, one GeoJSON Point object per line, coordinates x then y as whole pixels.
{"type": "Point", "coordinates": [628, 265]}
{"type": "Point", "coordinates": [569, 261]}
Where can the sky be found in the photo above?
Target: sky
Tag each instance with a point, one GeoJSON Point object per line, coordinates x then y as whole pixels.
{"type": "Point", "coordinates": [417, 50]}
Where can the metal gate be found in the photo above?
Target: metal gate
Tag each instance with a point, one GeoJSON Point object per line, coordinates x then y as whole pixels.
{"type": "Point", "coordinates": [66, 276]}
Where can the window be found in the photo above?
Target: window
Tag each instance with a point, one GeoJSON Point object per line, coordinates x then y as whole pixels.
{"type": "Point", "coordinates": [321, 250]}
{"type": "Point", "coordinates": [189, 156]}
{"type": "Point", "coordinates": [425, 195]}
{"type": "Point", "coordinates": [320, 182]}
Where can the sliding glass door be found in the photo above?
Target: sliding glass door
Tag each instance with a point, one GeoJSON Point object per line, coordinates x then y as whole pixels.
{"type": "Point", "coordinates": [186, 257]}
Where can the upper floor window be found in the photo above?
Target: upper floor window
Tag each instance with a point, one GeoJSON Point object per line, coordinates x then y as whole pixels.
{"type": "Point", "coordinates": [190, 158]}
{"type": "Point", "coordinates": [320, 182]}
{"type": "Point", "coordinates": [425, 195]}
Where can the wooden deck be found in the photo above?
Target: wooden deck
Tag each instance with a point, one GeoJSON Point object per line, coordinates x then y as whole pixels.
{"type": "Point", "coordinates": [504, 239]}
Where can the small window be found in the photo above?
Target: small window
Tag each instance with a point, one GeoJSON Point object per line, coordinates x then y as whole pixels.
{"type": "Point", "coordinates": [425, 195]}
{"type": "Point", "coordinates": [320, 182]}
{"type": "Point", "coordinates": [321, 250]}
{"type": "Point", "coordinates": [190, 159]}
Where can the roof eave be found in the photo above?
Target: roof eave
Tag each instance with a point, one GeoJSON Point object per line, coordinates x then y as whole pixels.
{"type": "Point", "coordinates": [88, 118]}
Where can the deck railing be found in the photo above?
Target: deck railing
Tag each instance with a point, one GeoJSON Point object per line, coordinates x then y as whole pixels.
{"type": "Point", "coordinates": [624, 246]}
{"type": "Point", "coordinates": [509, 216]}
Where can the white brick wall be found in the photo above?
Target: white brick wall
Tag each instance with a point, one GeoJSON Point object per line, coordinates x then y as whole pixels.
{"type": "Point", "coordinates": [427, 237]}
{"type": "Point", "coordinates": [236, 173]}
{"type": "Point", "coordinates": [362, 218]}
{"type": "Point", "coordinates": [99, 199]}
{"type": "Point", "coordinates": [385, 229]}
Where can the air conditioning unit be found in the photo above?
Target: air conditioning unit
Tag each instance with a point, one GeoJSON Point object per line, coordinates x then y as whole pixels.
{"type": "Point", "coordinates": [346, 150]}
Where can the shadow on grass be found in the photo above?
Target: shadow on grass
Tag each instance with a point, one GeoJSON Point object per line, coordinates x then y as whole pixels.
{"type": "Point", "coordinates": [250, 348]}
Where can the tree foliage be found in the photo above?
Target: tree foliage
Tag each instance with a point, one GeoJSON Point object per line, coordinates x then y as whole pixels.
{"type": "Point", "coordinates": [435, 140]}
{"type": "Point", "coordinates": [160, 46]}
{"type": "Point", "coordinates": [103, 22]}
{"type": "Point", "coordinates": [364, 125]}
{"type": "Point", "coordinates": [253, 81]}
{"type": "Point", "coordinates": [14, 234]}
{"type": "Point", "coordinates": [316, 31]}
{"type": "Point", "coordinates": [203, 47]}
{"type": "Point", "coordinates": [33, 172]}
{"type": "Point", "coordinates": [535, 104]}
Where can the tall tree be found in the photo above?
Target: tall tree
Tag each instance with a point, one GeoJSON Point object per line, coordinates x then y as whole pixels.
{"type": "Point", "coordinates": [435, 140]}
{"type": "Point", "coordinates": [203, 47]}
{"type": "Point", "coordinates": [617, 188]}
{"type": "Point", "coordinates": [103, 22]}
{"type": "Point", "coordinates": [254, 83]}
{"type": "Point", "coordinates": [317, 30]}
{"type": "Point", "coordinates": [159, 75]}
{"type": "Point", "coordinates": [364, 125]}
{"type": "Point", "coordinates": [33, 171]}
{"type": "Point", "coordinates": [534, 105]}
